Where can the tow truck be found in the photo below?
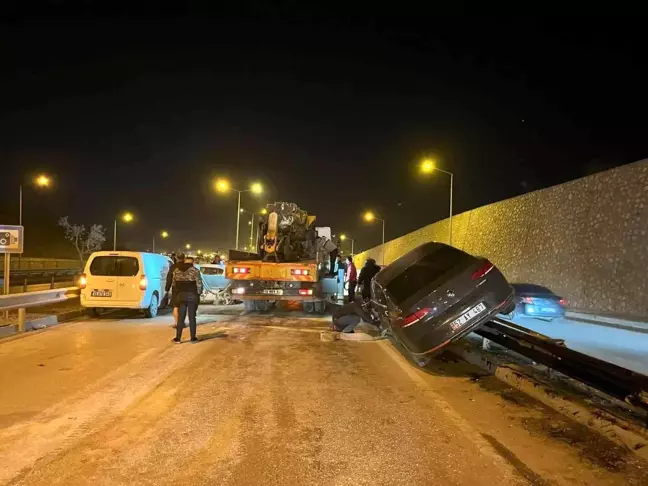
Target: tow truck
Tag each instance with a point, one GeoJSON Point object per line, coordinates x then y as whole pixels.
{"type": "Point", "coordinates": [288, 263]}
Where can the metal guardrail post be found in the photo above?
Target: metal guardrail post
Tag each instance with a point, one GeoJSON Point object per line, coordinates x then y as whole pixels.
{"type": "Point", "coordinates": [21, 319]}
{"type": "Point", "coordinates": [52, 282]}
{"type": "Point", "coordinates": [25, 285]}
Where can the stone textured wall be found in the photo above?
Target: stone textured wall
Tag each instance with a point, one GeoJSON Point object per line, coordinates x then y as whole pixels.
{"type": "Point", "coordinates": [585, 239]}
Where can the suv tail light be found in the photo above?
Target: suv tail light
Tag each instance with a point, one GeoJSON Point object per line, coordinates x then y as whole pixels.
{"type": "Point", "coordinates": [305, 291]}
{"type": "Point", "coordinates": [483, 270]}
{"type": "Point", "coordinates": [83, 281]}
{"type": "Point", "coordinates": [417, 316]}
{"type": "Point", "coordinates": [242, 270]}
{"type": "Point", "coordinates": [527, 300]}
{"type": "Point", "coordinates": [299, 271]}
{"type": "Point", "coordinates": [143, 282]}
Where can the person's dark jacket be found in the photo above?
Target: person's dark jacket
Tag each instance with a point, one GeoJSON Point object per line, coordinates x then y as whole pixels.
{"type": "Point", "coordinates": [169, 277]}
{"type": "Point", "coordinates": [185, 280]}
{"type": "Point", "coordinates": [368, 272]}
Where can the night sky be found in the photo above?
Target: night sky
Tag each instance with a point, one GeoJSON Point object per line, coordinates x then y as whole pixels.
{"type": "Point", "coordinates": [140, 113]}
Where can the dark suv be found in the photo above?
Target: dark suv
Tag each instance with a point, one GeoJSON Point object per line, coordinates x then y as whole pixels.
{"type": "Point", "coordinates": [436, 294]}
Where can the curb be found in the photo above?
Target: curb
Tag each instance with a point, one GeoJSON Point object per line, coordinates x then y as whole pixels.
{"type": "Point", "coordinates": [621, 431]}
{"type": "Point", "coordinates": [607, 321]}
{"type": "Point", "coordinates": [9, 333]}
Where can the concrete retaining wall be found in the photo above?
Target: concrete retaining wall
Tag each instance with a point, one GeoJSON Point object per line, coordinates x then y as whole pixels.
{"type": "Point", "coordinates": [585, 239]}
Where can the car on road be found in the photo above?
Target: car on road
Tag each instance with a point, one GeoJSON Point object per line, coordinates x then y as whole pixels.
{"type": "Point", "coordinates": [436, 294]}
{"type": "Point", "coordinates": [124, 280]}
{"type": "Point", "coordinates": [537, 301]}
{"type": "Point", "coordinates": [216, 286]}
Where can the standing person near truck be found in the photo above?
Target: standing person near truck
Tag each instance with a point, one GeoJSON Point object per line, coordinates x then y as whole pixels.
{"type": "Point", "coordinates": [177, 260]}
{"type": "Point", "coordinates": [368, 272]}
{"type": "Point", "coordinates": [187, 287]}
{"type": "Point", "coordinates": [351, 277]}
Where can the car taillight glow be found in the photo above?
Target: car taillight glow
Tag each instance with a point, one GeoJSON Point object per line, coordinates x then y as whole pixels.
{"type": "Point", "coordinates": [242, 270]}
{"type": "Point", "coordinates": [417, 316]}
{"type": "Point", "coordinates": [83, 281]}
{"type": "Point", "coordinates": [527, 300]}
{"type": "Point", "coordinates": [299, 271]}
{"type": "Point", "coordinates": [238, 290]}
{"type": "Point", "coordinates": [143, 283]}
{"type": "Point", "coordinates": [562, 302]}
{"type": "Point", "coordinates": [483, 270]}
{"type": "Point", "coordinates": [305, 291]}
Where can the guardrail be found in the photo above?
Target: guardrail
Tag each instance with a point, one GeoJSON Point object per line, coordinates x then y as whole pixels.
{"type": "Point", "coordinates": [27, 300]}
{"type": "Point", "coordinates": [621, 383]}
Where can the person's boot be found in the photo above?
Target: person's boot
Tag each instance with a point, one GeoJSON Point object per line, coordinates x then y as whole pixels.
{"type": "Point", "coordinates": [177, 340]}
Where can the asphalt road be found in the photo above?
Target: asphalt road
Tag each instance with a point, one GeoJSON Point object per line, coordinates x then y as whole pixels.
{"type": "Point", "coordinates": [262, 400]}
{"type": "Point", "coordinates": [621, 347]}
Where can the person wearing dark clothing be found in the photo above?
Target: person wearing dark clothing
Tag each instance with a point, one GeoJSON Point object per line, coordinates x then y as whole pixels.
{"type": "Point", "coordinates": [368, 272]}
{"type": "Point", "coordinates": [351, 277]}
{"type": "Point", "coordinates": [186, 283]}
{"type": "Point", "coordinates": [177, 260]}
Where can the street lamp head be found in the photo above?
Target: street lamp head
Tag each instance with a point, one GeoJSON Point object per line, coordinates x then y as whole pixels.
{"type": "Point", "coordinates": [427, 166]}
{"type": "Point", "coordinates": [199, 252]}
{"type": "Point", "coordinates": [222, 185]}
{"type": "Point", "coordinates": [242, 210]}
{"type": "Point", "coordinates": [165, 234]}
{"type": "Point", "coordinates": [256, 188]}
{"type": "Point", "coordinates": [43, 181]}
{"type": "Point", "coordinates": [264, 211]}
{"type": "Point", "coordinates": [343, 237]}
{"type": "Point", "coordinates": [128, 217]}
{"type": "Point", "coordinates": [369, 216]}
{"type": "Point", "coordinates": [188, 246]}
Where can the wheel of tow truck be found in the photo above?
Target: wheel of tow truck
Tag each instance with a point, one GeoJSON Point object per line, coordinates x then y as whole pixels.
{"type": "Point", "coordinates": [95, 311]}
{"type": "Point", "coordinates": [309, 307]}
{"type": "Point", "coordinates": [262, 305]}
{"type": "Point", "coordinates": [319, 306]}
{"type": "Point", "coordinates": [248, 305]}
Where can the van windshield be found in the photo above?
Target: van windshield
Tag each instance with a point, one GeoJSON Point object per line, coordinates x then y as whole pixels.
{"type": "Point", "coordinates": [423, 272]}
{"type": "Point", "coordinates": [114, 266]}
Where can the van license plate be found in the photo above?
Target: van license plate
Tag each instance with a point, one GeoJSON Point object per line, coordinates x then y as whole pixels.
{"type": "Point", "coordinates": [101, 293]}
{"type": "Point", "coordinates": [273, 291]}
{"type": "Point", "coordinates": [465, 318]}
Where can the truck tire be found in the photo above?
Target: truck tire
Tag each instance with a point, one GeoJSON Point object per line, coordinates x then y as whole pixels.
{"type": "Point", "coordinates": [262, 305]}
{"type": "Point", "coordinates": [309, 307]}
{"type": "Point", "coordinates": [319, 306]}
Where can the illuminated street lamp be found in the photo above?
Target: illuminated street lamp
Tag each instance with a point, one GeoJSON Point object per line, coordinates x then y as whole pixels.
{"type": "Point", "coordinates": [163, 234]}
{"type": "Point", "coordinates": [263, 211]}
{"type": "Point", "coordinates": [188, 246]}
{"type": "Point", "coordinates": [344, 237]}
{"type": "Point", "coordinates": [127, 217]}
{"type": "Point", "coordinates": [428, 166]}
{"type": "Point", "coordinates": [41, 181]}
{"type": "Point", "coordinates": [223, 186]}
{"type": "Point", "coordinates": [370, 217]}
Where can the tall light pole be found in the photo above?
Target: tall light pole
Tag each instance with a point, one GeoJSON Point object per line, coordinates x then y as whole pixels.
{"type": "Point", "coordinates": [427, 167]}
{"type": "Point", "coordinates": [344, 237]}
{"type": "Point", "coordinates": [223, 185]}
{"type": "Point", "coordinates": [127, 217]}
{"type": "Point", "coordinates": [42, 181]}
{"type": "Point", "coordinates": [370, 217]}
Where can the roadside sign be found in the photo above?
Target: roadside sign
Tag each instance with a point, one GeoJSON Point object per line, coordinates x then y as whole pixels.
{"type": "Point", "coordinates": [11, 239]}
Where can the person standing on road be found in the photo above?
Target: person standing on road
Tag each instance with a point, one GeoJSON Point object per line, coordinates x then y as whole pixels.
{"type": "Point", "coordinates": [187, 286]}
{"type": "Point", "coordinates": [368, 272]}
{"type": "Point", "coordinates": [177, 259]}
{"type": "Point", "coordinates": [351, 277]}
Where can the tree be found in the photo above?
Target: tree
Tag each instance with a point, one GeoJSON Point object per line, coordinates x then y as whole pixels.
{"type": "Point", "coordinates": [85, 241]}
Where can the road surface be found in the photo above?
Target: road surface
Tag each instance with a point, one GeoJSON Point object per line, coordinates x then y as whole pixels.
{"type": "Point", "coordinates": [619, 346]}
{"type": "Point", "coordinates": [262, 400]}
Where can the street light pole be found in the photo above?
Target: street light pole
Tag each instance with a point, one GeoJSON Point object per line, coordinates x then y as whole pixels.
{"type": "Point", "coordinates": [251, 230]}
{"type": "Point", "coordinates": [238, 218]}
{"type": "Point", "coordinates": [115, 237]}
{"type": "Point", "coordinates": [383, 242]}
{"type": "Point", "coordinates": [21, 207]}
{"type": "Point", "coordinates": [450, 222]}
{"type": "Point", "coordinates": [154, 244]}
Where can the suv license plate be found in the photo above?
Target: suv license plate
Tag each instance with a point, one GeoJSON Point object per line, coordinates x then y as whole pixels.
{"type": "Point", "coordinates": [273, 291]}
{"type": "Point", "coordinates": [465, 318]}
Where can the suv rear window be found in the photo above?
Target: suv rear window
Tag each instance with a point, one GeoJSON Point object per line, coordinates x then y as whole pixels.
{"type": "Point", "coordinates": [425, 271]}
{"type": "Point", "coordinates": [114, 266]}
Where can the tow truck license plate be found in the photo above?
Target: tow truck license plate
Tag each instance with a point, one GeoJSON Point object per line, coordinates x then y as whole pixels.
{"type": "Point", "coordinates": [458, 323]}
{"type": "Point", "coordinates": [101, 293]}
{"type": "Point", "coordinates": [273, 291]}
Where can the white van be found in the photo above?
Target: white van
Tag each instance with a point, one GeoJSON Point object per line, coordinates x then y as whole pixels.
{"type": "Point", "coordinates": [124, 280]}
